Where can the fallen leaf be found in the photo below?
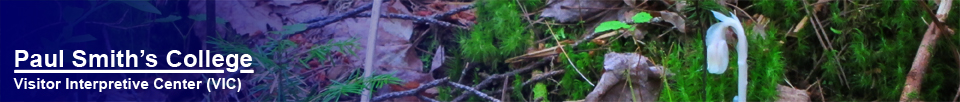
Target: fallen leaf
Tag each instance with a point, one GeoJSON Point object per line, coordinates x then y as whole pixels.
{"type": "Point", "coordinates": [675, 19]}
{"type": "Point", "coordinates": [298, 39]}
{"type": "Point", "coordinates": [438, 58]}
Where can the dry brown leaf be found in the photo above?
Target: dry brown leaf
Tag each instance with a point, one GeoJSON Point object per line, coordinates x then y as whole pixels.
{"type": "Point", "coordinates": [675, 19]}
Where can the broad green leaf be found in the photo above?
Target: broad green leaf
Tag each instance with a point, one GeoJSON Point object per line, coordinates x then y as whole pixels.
{"type": "Point", "coordinates": [835, 31]}
{"type": "Point", "coordinates": [170, 18]}
{"type": "Point", "coordinates": [80, 38]}
{"type": "Point", "coordinates": [198, 17]}
{"type": "Point", "coordinates": [290, 29]}
{"type": "Point", "coordinates": [610, 25]}
{"type": "Point", "coordinates": [642, 17]}
{"type": "Point", "coordinates": [203, 17]}
{"type": "Point", "coordinates": [221, 21]}
{"type": "Point", "coordinates": [144, 6]}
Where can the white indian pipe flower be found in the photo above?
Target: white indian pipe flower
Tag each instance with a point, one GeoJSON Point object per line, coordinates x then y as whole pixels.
{"type": "Point", "coordinates": [717, 52]}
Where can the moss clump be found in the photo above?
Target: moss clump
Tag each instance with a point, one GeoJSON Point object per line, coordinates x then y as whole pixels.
{"type": "Point", "coordinates": [499, 32]}
{"type": "Point", "coordinates": [869, 55]}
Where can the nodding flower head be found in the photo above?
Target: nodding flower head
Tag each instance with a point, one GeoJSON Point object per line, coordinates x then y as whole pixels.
{"type": "Point", "coordinates": [717, 51]}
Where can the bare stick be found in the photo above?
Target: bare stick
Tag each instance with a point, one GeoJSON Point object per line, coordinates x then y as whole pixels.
{"type": "Point", "coordinates": [474, 91]}
{"type": "Point", "coordinates": [327, 20]}
{"type": "Point", "coordinates": [919, 67]}
{"type": "Point", "coordinates": [418, 19]}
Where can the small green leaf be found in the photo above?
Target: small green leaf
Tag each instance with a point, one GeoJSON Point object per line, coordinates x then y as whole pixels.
{"type": "Point", "coordinates": [170, 18]}
{"type": "Point", "coordinates": [144, 6]}
{"type": "Point", "coordinates": [221, 21]}
{"type": "Point", "coordinates": [642, 17]}
{"type": "Point", "coordinates": [80, 38]}
{"type": "Point", "coordinates": [610, 25]}
{"type": "Point", "coordinates": [835, 31]}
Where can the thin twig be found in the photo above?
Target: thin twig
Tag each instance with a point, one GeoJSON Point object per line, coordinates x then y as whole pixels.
{"type": "Point", "coordinates": [410, 92]}
{"type": "Point", "coordinates": [490, 79]}
{"type": "Point", "coordinates": [451, 12]}
{"type": "Point", "coordinates": [819, 30]}
{"type": "Point", "coordinates": [464, 72]}
{"type": "Point", "coordinates": [503, 94]}
{"type": "Point", "coordinates": [341, 16]}
{"type": "Point", "coordinates": [741, 10]}
{"type": "Point", "coordinates": [474, 91]}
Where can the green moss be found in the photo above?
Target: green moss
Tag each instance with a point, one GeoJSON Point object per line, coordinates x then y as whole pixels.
{"type": "Point", "coordinates": [871, 56]}
{"type": "Point", "coordinates": [498, 34]}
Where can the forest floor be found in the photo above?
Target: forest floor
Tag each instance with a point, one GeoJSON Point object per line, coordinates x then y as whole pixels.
{"type": "Point", "coordinates": [536, 50]}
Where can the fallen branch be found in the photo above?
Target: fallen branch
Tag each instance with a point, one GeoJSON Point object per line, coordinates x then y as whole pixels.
{"type": "Point", "coordinates": [919, 67]}
{"type": "Point", "coordinates": [410, 92]}
{"type": "Point", "coordinates": [474, 91]}
{"type": "Point", "coordinates": [451, 12]}
{"type": "Point", "coordinates": [417, 19]}
{"type": "Point", "coordinates": [490, 79]}
{"type": "Point", "coordinates": [328, 20]}
{"type": "Point", "coordinates": [323, 21]}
